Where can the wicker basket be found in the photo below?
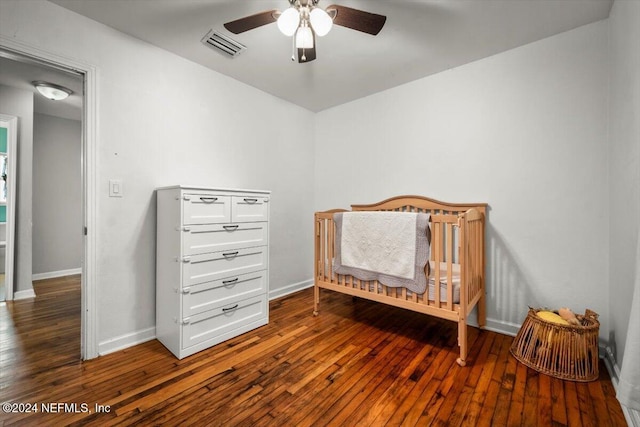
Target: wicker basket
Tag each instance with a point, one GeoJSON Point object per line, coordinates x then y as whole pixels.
{"type": "Point", "coordinates": [567, 352]}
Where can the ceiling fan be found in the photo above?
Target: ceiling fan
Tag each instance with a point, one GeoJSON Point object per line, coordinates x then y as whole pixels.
{"type": "Point", "coordinates": [304, 20]}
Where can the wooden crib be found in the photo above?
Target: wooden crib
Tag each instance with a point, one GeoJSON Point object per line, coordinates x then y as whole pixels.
{"type": "Point", "coordinates": [457, 263]}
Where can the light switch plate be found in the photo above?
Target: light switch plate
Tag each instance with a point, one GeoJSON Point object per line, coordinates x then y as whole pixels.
{"type": "Point", "coordinates": [115, 188]}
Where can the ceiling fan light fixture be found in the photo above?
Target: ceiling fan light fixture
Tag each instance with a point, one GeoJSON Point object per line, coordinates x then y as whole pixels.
{"type": "Point", "coordinates": [52, 91]}
{"type": "Point", "coordinates": [289, 21]}
{"type": "Point", "coordinates": [320, 21]}
{"type": "Point", "coordinates": [304, 38]}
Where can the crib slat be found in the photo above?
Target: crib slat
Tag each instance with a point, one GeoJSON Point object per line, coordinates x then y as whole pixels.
{"type": "Point", "coordinates": [472, 260]}
{"type": "Point", "coordinates": [465, 277]}
{"type": "Point", "coordinates": [437, 258]}
{"type": "Point", "coordinates": [449, 256]}
{"type": "Point", "coordinates": [318, 250]}
{"type": "Point", "coordinates": [323, 249]}
{"type": "Point", "coordinates": [331, 232]}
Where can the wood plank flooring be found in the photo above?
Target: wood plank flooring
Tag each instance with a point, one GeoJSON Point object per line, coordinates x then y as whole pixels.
{"type": "Point", "coordinates": [357, 363]}
{"type": "Point", "coordinates": [36, 334]}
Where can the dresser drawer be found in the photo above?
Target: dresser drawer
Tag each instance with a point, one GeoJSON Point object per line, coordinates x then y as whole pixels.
{"type": "Point", "coordinates": [218, 265]}
{"type": "Point", "coordinates": [198, 239]}
{"type": "Point", "coordinates": [206, 208]}
{"type": "Point", "coordinates": [213, 323]}
{"type": "Point", "coordinates": [249, 209]}
{"type": "Point", "coordinates": [207, 296]}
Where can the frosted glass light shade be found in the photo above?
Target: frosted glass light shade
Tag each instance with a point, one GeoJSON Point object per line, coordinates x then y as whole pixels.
{"type": "Point", "coordinates": [289, 21]}
{"type": "Point", "coordinates": [304, 38]}
{"type": "Point", "coordinates": [320, 21]}
{"type": "Point", "coordinates": [52, 91]}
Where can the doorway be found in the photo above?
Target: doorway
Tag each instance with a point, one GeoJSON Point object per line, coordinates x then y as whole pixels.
{"type": "Point", "coordinates": [86, 161]}
{"type": "Point", "coordinates": [45, 192]}
{"type": "Point", "coordinates": [8, 143]}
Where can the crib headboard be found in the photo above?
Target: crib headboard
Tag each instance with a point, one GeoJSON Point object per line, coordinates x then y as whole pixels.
{"type": "Point", "coordinates": [420, 204]}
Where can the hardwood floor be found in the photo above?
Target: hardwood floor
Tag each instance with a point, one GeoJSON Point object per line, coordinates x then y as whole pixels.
{"type": "Point", "coordinates": [357, 363]}
{"type": "Point", "coordinates": [36, 334]}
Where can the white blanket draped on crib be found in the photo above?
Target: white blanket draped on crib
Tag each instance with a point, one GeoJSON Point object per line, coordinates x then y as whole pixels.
{"type": "Point", "coordinates": [391, 247]}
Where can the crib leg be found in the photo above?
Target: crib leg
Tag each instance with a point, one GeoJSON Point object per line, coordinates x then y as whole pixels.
{"type": "Point", "coordinates": [482, 310]}
{"type": "Point", "coordinates": [462, 341]}
{"type": "Point", "coordinates": [316, 299]}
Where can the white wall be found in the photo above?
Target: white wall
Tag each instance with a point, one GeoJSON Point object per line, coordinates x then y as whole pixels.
{"type": "Point", "coordinates": [19, 103]}
{"type": "Point", "coordinates": [624, 104]}
{"type": "Point", "coordinates": [57, 194]}
{"type": "Point", "coordinates": [164, 120]}
{"type": "Point", "coordinates": [526, 132]}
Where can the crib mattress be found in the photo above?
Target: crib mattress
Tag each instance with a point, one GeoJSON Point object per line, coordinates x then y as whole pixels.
{"type": "Point", "coordinates": [443, 288]}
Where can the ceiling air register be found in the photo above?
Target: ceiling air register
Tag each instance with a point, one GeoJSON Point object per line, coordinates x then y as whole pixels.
{"type": "Point", "coordinates": [223, 44]}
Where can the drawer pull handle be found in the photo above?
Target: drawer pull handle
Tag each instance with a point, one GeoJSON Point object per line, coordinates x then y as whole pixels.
{"type": "Point", "coordinates": [230, 227]}
{"type": "Point", "coordinates": [228, 282]}
{"type": "Point", "coordinates": [230, 254]}
{"type": "Point", "coordinates": [230, 308]}
{"type": "Point", "coordinates": [250, 200]}
{"type": "Point", "coordinates": [186, 259]}
{"type": "Point", "coordinates": [186, 291]}
{"type": "Point", "coordinates": [208, 199]}
{"type": "Point", "coordinates": [185, 321]}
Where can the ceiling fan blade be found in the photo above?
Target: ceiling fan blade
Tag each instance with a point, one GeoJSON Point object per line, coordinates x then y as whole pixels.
{"type": "Point", "coordinates": [370, 23]}
{"type": "Point", "coordinates": [250, 22]}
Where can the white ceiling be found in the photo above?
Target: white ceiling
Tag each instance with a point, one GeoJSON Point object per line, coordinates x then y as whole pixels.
{"type": "Point", "coordinates": [420, 38]}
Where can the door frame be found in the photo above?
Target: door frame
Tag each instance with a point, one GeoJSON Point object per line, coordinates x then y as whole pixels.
{"type": "Point", "coordinates": [89, 316]}
{"type": "Point", "coordinates": [11, 124]}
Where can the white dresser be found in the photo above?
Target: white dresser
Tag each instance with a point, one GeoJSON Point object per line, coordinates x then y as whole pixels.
{"type": "Point", "coordinates": [212, 265]}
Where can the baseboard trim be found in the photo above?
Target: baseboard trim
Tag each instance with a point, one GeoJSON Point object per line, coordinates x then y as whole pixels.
{"type": "Point", "coordinates": [55, 274]}
{"type": "Point", "coordinates": [499, 326]}
{"type": "Point", "coordinates": [126, 340]}
{"type": "Point", "coordinates": [610, 362]}
{"type": "Point", "coordinates": [290, 289]}
{"type": "Point", "coordinates": [144, 335]}
{"type": "Point", "coordinates": [28, 293]}
{"type": "Point", "coordinates": [631, 415]}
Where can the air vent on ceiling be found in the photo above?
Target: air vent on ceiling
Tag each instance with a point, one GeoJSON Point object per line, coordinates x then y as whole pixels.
{"type": "Point", "coordinates": [223, 44]}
